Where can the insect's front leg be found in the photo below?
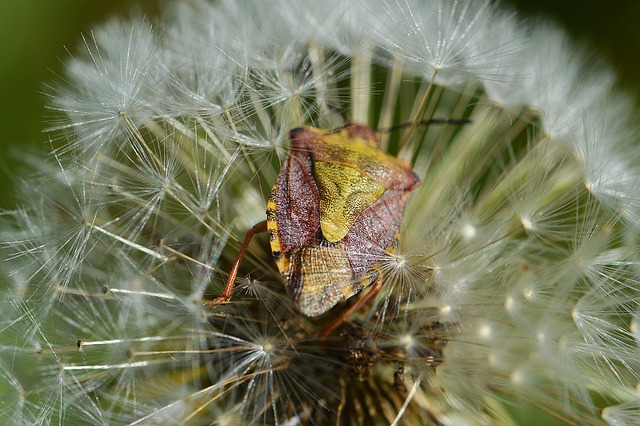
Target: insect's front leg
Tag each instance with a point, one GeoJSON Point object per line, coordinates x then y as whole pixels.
{"type": "Point", "coordinates": [225, 296]}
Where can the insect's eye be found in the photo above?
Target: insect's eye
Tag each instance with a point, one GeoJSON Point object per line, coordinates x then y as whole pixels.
{"type": "Point", "coordinates": [293, 133]}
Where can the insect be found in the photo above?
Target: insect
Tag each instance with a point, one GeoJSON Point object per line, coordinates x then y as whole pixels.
{"type": "Point", "coordinates": [335, 209]}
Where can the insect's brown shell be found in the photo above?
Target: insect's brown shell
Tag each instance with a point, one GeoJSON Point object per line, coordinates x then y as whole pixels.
{"type": "Point", "coordinates": [335, 209]}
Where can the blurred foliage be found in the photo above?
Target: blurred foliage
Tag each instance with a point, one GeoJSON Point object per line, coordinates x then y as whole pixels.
{"type": "Point", "coordinates": [34, 38]}
{"type": "Point", "coordinates": [34, 33]}
{"type": "Point", "coordinates": [610, 28]}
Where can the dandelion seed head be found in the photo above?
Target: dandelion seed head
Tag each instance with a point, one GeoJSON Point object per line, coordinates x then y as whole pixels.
{"type": "Point", "coordinates": [511, 305]}
{"type": "Point", "coordinates": [468, 231]}
{"type": "Point", "coordinates": [444, 39]}
{"type": "Point", "coordinates": [400, 260]}
{"type": "Point", "coordinates": [527, 223]}
{"type": "Point", "coordinates": [622, 414]}
{"type": "Point", "coordinates": [528, 292]}
{"type": "Point", "coordinates": [446, 310]}
{"type": "Point", "coordinates": [518, 377]}
{"type": "Point", "coordinates": [541, 337]}
{"type": "Point", "coordinates": [407, 341]}
{"type": "Point", "coordinates": [485, 332]}
{"type": "Point", "coordinates": [515, 265]}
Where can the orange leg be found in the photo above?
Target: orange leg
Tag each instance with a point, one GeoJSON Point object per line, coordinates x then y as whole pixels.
{"type": "Point", "coordinates": [342, 318]}
{"type": "Point", "coordinates": [228, 288]}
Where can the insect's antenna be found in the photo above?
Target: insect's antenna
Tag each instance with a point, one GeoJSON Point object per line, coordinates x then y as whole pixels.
{"type": "Point", "coordinates": [419, 112]}
{"type": "Point", "coordinates": [425, 123]}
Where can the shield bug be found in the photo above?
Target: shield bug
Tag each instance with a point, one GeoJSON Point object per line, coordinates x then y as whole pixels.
{"type": "Point", "coordinates": [335, 209]}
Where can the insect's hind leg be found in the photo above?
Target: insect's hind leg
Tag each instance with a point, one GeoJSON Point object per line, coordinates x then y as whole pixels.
{"type": "Point", "coordinates": [225, 296]}
{"type": "Point", "coordinates": [375, 289]}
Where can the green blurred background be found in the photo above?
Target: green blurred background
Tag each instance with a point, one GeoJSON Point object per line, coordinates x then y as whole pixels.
{"type": "Point", "coordinates": [34, 33]}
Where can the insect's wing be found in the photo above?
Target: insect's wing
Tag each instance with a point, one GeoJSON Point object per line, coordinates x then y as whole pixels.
{"type": "Point", "coordinates": [374, 231]}
{"type": "Point", "coordinates": [297, 202]}
{"type": "Point", "coordinates": [320, 276]}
